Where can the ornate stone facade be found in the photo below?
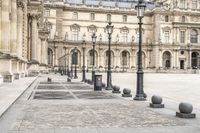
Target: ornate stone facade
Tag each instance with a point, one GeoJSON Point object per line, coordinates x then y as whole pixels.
{"type": "Point", "coordinates": [20, 44]}
{"type": "Point", "coordinates": [37, 35]}
{"type": "Point", "coordinates": [171, 40]}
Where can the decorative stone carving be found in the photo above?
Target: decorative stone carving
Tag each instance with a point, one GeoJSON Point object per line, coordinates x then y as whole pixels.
{"type": "Point", "coordinates": [20, 4]}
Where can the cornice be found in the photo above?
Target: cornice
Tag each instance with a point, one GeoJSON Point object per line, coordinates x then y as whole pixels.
{"type": "Point", "coordinates": [96, 9]}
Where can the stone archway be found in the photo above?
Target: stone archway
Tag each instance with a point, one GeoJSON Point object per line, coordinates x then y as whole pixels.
{"type": "Point", "coordinates": [106, 59]}
{"type": "Point", "coordinates": [167, 60]}
{"type": "Point", "coordinates": [194, 60]}
{"type": "Point", "coordinates": [125, 60]}
{"type": "Point", "coordinates": [90, 58]}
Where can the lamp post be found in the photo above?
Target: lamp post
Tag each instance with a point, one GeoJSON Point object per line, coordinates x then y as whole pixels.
{"type": "Point", "coordinates": [140, 7]}
{"type": "Point", "coordinates": [109, 28]}
{"type": "Point", "coordinates": [75, 60]}
{"type": "Point", "coordinates": [93, 52]}
{"type": "Point", "coordinates": [84, 45]}
{"type": "Point", "coordinates": [65, 58]}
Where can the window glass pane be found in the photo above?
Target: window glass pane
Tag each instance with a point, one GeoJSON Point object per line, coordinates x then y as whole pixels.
{"type": "Point", "coordinates": [194, 4]}
{"type": "Point", "coordinates": [166, 36]}
{"type": "Point", "coordinates": [182, 37]}
{"type": "Point", "coordinates": [124, 36]}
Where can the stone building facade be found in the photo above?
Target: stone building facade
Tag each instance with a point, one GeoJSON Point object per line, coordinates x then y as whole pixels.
{"type": "Point", "coordinates": [23, 39]}
{"type": "Point", "coordinates": [171, 40]}
{"type": "Point", "coordinates": [38, 35]}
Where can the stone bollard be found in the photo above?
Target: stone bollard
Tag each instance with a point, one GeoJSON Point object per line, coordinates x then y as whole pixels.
{"type": "Point", "coordinates": [156, 102]}
{"type": "Point", "coordinates": [68, 79]}
{"type": "Point", "coordinates": [49, 79]}
{"type": "Point", "coordinates": [185, 111]}
{"type": "Point", "coordinates": [127, 92]}
{"type": "Point", "coordinates": [116, 89]}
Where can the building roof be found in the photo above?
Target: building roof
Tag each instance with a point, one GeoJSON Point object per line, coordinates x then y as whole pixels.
{"type": "Point", "coordinates": [106, 3]}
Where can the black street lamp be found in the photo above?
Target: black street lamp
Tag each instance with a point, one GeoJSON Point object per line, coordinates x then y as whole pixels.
{"type": "Point", "coordinates": [140, 7]}
{"type": "Point", "coordinates": [65, 47]}
{"type": "Point", "coordinates": [93, 52]}
{"type": "Point", "coordinates": [109, 28]}
{"type": "Point", "coordinates": [84, 71]}
{"type": "Point", "coordinates": [75, 60]}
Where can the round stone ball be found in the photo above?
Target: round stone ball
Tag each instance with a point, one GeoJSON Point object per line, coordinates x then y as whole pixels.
{"type": "Point", "coordinates": [185, 107]}
{"type": "Point", "coordinates": [155, 99]}
{"type": "Point", "coordinates": [127, 91]}
{"type": "Point", "coordinates": [116, 88]}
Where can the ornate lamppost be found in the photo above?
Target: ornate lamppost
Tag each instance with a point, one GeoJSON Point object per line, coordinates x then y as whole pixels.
{"type": "Point", "coordinates": [109, 29]}
{"type": "Point", "coordinates": [93, 52]}
{"type": "Point", "coordinates": [65, 47]}
{"type": "Point", "coordinates": [140, 7]}
{"type": "Point", "coordinates": [83, 47]}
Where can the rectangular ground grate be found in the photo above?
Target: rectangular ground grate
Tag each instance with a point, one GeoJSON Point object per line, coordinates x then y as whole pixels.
{"type": "Point", "coordinates": [49, 83]}
{"type": "Point", "coordinates": [52, 87]}
{"type": "Point", "coordinates": [93, 95]}
{"type": "Point", "coordinates": [50, 95]}
{"type": "Point", "coordinates": [79, 87]}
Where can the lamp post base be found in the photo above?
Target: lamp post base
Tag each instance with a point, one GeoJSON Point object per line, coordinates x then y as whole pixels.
{"type": "Point", "coordinates": [109, 88]}
{"type": "Point", "coordinates": [139, 98]}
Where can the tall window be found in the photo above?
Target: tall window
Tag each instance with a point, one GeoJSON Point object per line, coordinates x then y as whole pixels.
{"type": "Point", "coordinates": [124, 58]}
{"type": "Point", "coordinates": [182, 36]}
{"type": "Point", "coordinates": [194, 36]}
{"type": "Point", "coordinates": [75, 15]}
{"type": "Point", "coordinates": [194, 4]}
{"type": "Point", "coordinates": [75, 34]}
{"type": "Point", "coordinates": [124, 18]}
{"type": "Point", "coordinates": [108, 17]}
{"type": "Point", "coordinates": [92, 16]}
{"type": "Point", "coordinates": [182, 4]}
{"type": "Point", "coordinates": [166, 18]}
{"type": "Point", "coordinates": [46, 13]}
{"type": "Point", "coordinates": [124, 36]}
{"type": "Point", "coordinates": [166, 36]}
{"type": "Point", "coordinates": [91, 57]}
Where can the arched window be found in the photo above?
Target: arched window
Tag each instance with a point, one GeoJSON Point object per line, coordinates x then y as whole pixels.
{"type": "Point", "coordinates": [194, 36]}
{"type": "Point", "coordinates": [166, 60]}
{"type": "Point", "coordinates": [183, 19]}
{"type": "Point", "coordinates": [166, 18]}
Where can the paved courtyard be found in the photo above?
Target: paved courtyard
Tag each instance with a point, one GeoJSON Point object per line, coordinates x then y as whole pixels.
{"type": "Point", "coordinates": [63, 107]}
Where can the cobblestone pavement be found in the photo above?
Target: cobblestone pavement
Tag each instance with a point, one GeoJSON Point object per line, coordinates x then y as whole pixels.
{"type": "Point", "coordinates": [74, 107]}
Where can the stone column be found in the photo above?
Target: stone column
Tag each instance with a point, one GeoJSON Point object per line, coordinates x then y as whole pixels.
{"type": "Point", "coordinates": [34, 38]}
{"type": "Point", "coordinates": [19, 28]}
{"type": "Point", "coordinates": [25, 33]}
{"type": "Point", "coordinates": [5, 26]}
{"type": "Point", "coordinates": [13, 30]}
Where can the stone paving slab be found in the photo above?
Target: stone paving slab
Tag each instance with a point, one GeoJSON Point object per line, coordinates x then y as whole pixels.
{"type": "Point", "coordinates": [82, 115]}
{"type": "Point", "coordinates": [9, 92]}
